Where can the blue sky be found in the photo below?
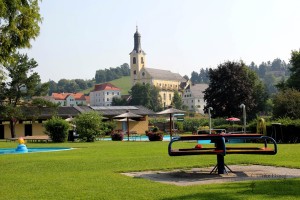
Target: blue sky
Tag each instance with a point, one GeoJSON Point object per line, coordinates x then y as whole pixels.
{"type": "Point", "coordinates": [79, 37]}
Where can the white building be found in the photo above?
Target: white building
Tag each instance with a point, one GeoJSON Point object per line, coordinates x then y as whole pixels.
{"type": "Point", "coordinates": [69, 99]}
{"type": "Point", "coordinates": [193, 97]}
{"type": "Point", "coordinates": [103, 94]}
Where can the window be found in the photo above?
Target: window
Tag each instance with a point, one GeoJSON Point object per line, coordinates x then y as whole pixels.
{"type": "Point", "coordinates": [113, 93]}
{"type": "Point", "coordinates": [107, 93]}
{"type": "Point", "coordinates": [164, 96]}
{"type": "Point", "coordinates": [118, 93]}
{"type": "Point", "coordinates": [143, 74]}
{"type": "Point", "coordinates": [142, 60]}
{"type": "Point", "coordinates": [107, 99]}
{"type": "Point", "coordinates": [192, 101]}
{"type": "Point", "coordinates": [134, 60]}
{"type": "Point", "coordinates": [170, 97]}
{"type": "Point", "coordinates": [143, 83]}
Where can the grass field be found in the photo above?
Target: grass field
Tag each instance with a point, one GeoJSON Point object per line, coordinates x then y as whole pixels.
{"type": "Point", "coordinates": [124, 83]}
{"type": "Point", "coordinates": [92, 171]}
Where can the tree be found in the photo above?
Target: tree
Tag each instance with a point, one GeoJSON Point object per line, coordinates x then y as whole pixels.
{"type": "Point", "coordinates": [232, 84]}
{"type": "Point", "coordinates": [19, 21]}
{"type": "Point", "coordinates": [287, 104]}
{"type": "Point", "coordinates": [89, 125]}
{"type": "Point", "coordinates": [294, 79]}
{"type": "Point", "coordinates": [146, 95]}
{"type": "Point", "coordinates": [57, 129]}
{"type": "Point", "coordinates": [116, 101]}
{"type": "Point", "coordinates": [22, 85]}
{"type": "Point", "coordinates": [177, 101]}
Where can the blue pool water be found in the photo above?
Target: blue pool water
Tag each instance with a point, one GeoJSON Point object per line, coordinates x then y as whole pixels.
{"type": "Point", "coordinates": [31, 150]}
{"type": "Point", "coordinates": [145, 138]}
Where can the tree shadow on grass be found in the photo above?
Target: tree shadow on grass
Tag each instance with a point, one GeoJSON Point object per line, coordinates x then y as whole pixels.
{"type": "Point", "coordinates": [267, 189]}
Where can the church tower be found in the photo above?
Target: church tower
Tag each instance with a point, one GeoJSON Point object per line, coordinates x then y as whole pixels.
{"type": "Point", "coordinates": [137, 58]}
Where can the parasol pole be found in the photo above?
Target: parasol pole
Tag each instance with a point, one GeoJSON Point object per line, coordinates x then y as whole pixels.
{"type": "Point", "coordinates": [170, 126]}
{"type": "Point", "coordinates": [128, 127]}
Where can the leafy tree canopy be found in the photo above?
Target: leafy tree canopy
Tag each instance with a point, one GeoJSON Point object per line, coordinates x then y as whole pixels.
{"type": "Point", "coordinates": [287, 104]}
{"type": "Point", "coordinates": [22, 84]}
{"type": "Point", "coordinates": [19, 21]}
{"type": "Point", "coordinates": [294, 80]}
{"type": "Point", "coordinates": [146, 95]}
{"type": "Point", "coordinates": [232, 84]}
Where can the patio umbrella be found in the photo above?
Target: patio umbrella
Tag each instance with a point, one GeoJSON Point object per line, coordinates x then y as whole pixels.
{"type": "Point", "coordinates": [233, 119]}
{"type": "Point", "coordinates": [127, 115]}
{"type": "Point", "coordinates": [170, 111]}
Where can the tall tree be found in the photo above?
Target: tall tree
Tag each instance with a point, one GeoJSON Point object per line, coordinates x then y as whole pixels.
{"type": "Point", "coordinates": [232, 84]}
{"type": "Point", "coordinates": [177, 101]}
{"type": "Point", "coordinates": [19, 21]}
{"type": "Point", "coordinates": [145, 95]}
{"type": "Point", "coordinates": [287, 104]}
{"type": "Point", "coordinates": [22, 84]}
{"type": "Point", "coordinates": [294, 80]}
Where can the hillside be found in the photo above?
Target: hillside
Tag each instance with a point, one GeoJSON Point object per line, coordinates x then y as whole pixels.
{"type": "Point", "coordinates": [123, 83]}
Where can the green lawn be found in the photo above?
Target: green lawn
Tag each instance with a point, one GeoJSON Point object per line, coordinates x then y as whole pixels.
{"type": "Point", "coordinates": [92, 171]}
{"type": "Point", "coordinates": [123, 83]}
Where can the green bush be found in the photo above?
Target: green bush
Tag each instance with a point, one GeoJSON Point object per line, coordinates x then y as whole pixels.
{"type": "Point", "coordinates": [57, 129]}
{"type": "Point", "coordinates": [89, 125]}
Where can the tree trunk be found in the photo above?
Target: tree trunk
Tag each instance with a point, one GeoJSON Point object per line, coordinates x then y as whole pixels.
{"type": "Point", "coordinates": [12, 128]}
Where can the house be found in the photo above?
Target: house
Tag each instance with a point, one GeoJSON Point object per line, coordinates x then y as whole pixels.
{"type": "Point", "coordinates": [167, 81]}
{"type": "Point", "coordinates": [33, 118]}
{"type": "Point", "coordinates": [193, 97]}
{"type": "Point", "coordinates": [69, 99]}
{"type": "Point", "coordinates": [103, 94]}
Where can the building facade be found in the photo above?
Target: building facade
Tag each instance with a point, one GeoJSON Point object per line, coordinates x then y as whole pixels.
{"type": "Point", "coordinates": [165, 80]}
{"type": "Point", "coordinates": [193, 97]}
{"type": "Point", "coordinates": [69, 99]}
{"type": "Point", "coordinates": [103, 94]}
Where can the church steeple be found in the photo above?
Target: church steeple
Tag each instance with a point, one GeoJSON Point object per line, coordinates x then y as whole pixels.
{"type": "Point", "coordinates": [137, 41]}
{"type": "Point", "coordinates": [137, 58]}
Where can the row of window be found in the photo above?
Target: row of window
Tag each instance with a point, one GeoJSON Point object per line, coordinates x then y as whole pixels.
{"type": "Point", "coordinates": [99, 100]}
{"type": "Point", "coordinates": [107, 93]}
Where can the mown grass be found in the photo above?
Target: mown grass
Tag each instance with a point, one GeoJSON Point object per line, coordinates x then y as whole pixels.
{"type": "Point", "coordinates": [92, 171]}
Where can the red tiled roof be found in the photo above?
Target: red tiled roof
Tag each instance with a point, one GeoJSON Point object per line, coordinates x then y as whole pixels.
{"type": "Point", "coordinates": [63, 96]}
{"type": "Point", "coordinates": [105, 86]}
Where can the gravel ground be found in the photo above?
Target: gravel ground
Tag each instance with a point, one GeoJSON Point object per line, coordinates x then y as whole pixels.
{"type": "Point", "coordinates": [198, 176]}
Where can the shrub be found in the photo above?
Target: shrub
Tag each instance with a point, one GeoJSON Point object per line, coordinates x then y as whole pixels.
{"type": "Point", "coordinates": [155, 136]}
{"type": "Point", "coordinates": [89, 125]}
{"type": "Point", "coordinates": [117, 135]}
{"type": "Point", "coordinates": [57, 129]}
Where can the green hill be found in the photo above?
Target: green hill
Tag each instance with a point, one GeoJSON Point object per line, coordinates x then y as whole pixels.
{"type": "Point", "coordinates": [124, 83]}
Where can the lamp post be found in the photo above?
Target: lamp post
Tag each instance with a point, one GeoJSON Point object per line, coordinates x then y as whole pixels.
{"type": "Point", "coordinates": [244, 115]}
{"type": "Point", "coordinates": [209, 115]}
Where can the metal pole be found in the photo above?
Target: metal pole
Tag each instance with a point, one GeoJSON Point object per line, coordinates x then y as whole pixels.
{"type": "Point", "coordinates": [244, 115]}
{"type": "Point", "coordinates": [209, 115]}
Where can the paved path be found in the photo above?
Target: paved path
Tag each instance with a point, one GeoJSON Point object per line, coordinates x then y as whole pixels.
{"type": "Point", "coordinates": [197, 176]}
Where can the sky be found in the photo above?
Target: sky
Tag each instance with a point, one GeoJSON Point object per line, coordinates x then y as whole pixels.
{"type": "Point", "coordinates": [77, 37]}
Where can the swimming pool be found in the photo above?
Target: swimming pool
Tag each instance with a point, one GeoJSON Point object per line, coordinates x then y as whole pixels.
{"type": "Point", "coordinates": [32, 150]}
{"type": "Point", "coordinates": [145, 138]}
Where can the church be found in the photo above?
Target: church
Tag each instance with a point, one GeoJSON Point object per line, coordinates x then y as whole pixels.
{"type": "Point", "coordinates": [167, 81]}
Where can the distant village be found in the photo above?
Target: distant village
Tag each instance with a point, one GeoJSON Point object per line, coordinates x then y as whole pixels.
{"type": "Point", "coordinates": [168, 82]}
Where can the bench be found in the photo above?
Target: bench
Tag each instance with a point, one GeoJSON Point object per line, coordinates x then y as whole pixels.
{"type": "Point", "coordinates": [37, 138]}
{"type": "Point", "coordinates": [221, 149]}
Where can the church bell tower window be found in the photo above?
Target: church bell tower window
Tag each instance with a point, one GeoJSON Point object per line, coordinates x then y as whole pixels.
{"type": "Point", "coordinates": [134, 60]}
